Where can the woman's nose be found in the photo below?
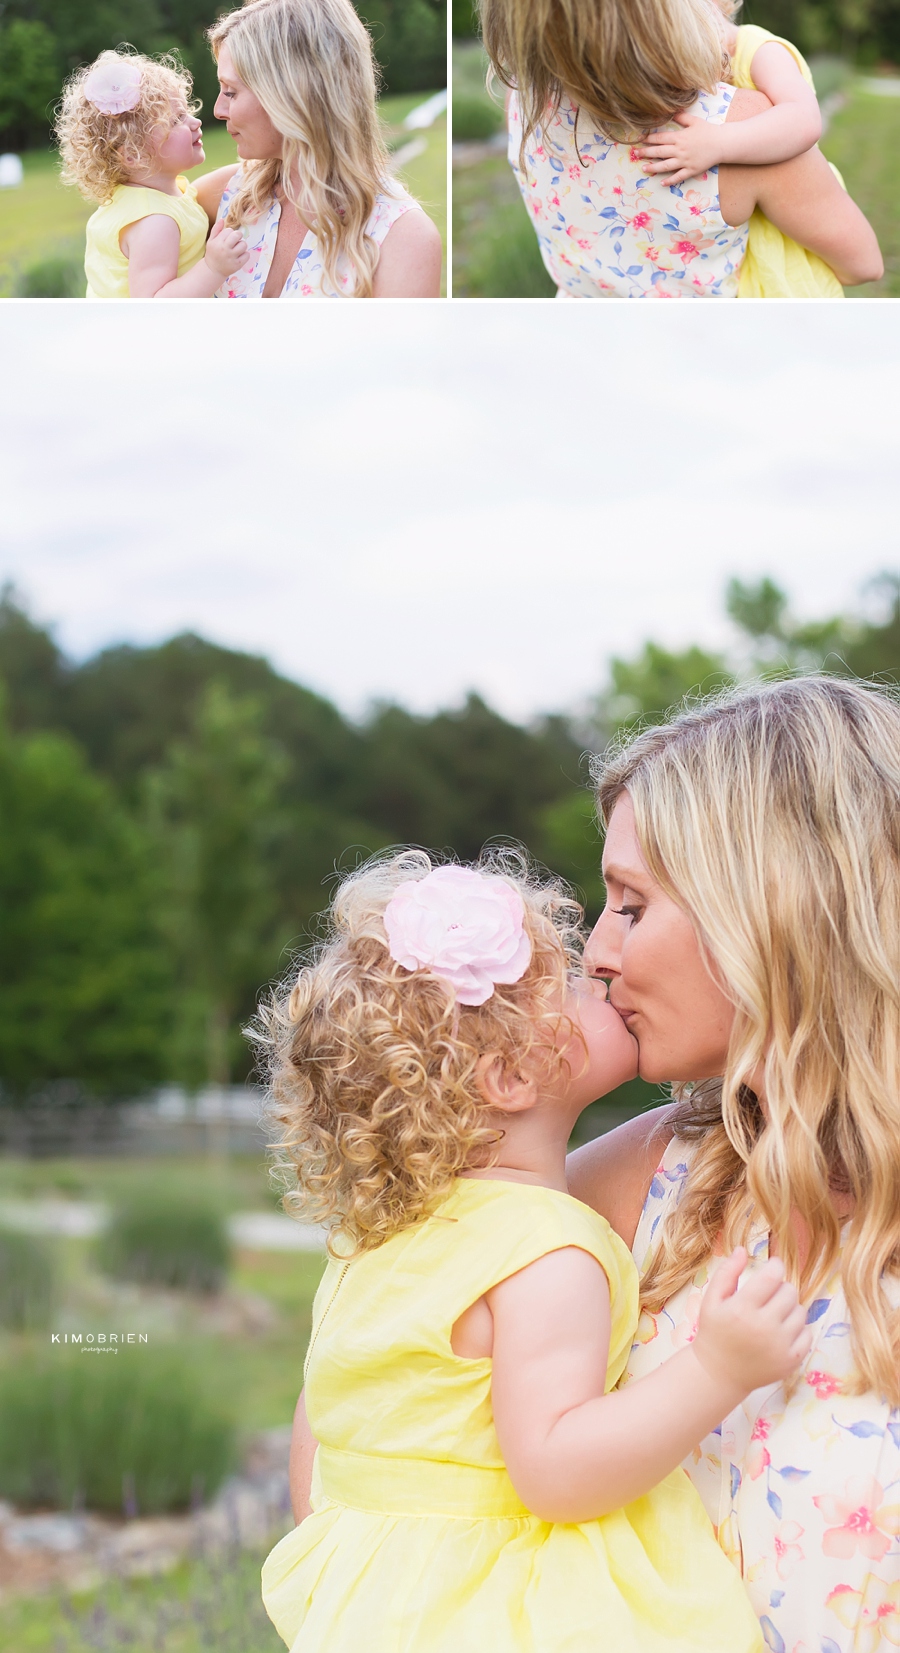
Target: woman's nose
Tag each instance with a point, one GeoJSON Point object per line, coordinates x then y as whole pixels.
{"type": "Point", "coordinates": [220, 109]}
{"type": "Point", "coordinates": [603, 952]}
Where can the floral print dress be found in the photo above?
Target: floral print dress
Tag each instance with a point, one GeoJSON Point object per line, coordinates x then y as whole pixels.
{"type": "Point", "coordinates": [802, 1488]}
{"type": "Point", "coordinates": [305, 279]}
{"type": "Point", "coordinates": [607, 230]}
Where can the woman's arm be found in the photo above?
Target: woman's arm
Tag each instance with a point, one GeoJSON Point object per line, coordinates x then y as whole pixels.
{"type": "Point", "coordinates": [211, 187]}
{"type": "Point", "coordinates": [804, 200]}
{"type": "Point", "coordinates": [614, 1172]}
{"type": "Point", "coordinates": [791, 126]}
{"type": "Point", "coordinates": [574, 1453]}
{"type": "Point", "coordinates": [303, 1451]}
{"type": "Point", "coordinates": [409, 265]}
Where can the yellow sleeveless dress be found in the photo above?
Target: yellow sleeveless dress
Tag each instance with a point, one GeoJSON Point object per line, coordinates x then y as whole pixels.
{"type": "Point", "coordinates": [418, 1541]}
{"type": "Point", "coordinates": [775, 266]}
{"type": "Point", "coordinates": [105, 264]}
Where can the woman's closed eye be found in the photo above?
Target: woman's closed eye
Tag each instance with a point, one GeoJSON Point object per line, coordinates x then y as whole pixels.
{"type": "Point", "coordinates": [633, 913]}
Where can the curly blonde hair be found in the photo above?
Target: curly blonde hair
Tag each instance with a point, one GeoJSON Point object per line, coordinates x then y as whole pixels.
{"type": "Point", "coordinates": [772, 816]}
{"type": "Point", "coordinates": [100, 152]}
{"type": "Point", "coordinates": [311, 65]}
{"type": "Point", "coordinates": [372, 1067]}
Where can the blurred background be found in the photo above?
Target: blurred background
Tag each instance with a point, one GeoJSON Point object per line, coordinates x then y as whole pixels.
{"type": "Point", "coordinates": [335, 599]}
{"type": "Point", "coordinates": [42, 41]}
{"type": "Point", "coordinates": [853, 47]}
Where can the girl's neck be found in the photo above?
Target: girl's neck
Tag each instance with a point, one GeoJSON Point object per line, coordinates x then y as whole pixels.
{"type": "Point", "coordinates": [162, 181]}
{"type": "Point", "coordinates": [532, 1149]}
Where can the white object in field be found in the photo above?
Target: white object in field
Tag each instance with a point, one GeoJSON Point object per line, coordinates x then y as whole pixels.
{"type": "Point", "coordinates": [67, 1217]}
{"type": "Point", "coordinates": [11, 171]}
{"type": "Point", "coordinates": [425, 114]}
{"type": "Point", "coordinates": [407, 152]}
{"type": "Point", "coordinates": [270, 1231]}
{"type": "Point", "coordinates": [887, 86]}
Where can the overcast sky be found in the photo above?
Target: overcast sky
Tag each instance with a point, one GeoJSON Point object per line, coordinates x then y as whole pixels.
{"type": "Point", "coordinates": [409, 501]}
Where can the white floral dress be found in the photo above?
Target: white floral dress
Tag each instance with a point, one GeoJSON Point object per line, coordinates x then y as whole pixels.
{"type": "Point", "coordinates": [306, 277]}
{"type": "Point", "coordinates": [804, 1491]}
{"type": "Point", "coordinates": [607, 230]}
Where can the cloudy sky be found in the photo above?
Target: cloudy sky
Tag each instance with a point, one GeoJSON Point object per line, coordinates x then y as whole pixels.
{"type": "Point", "coordinates": [409, 501]}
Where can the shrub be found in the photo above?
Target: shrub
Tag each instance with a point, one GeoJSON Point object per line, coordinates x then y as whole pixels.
{"type": "Point", "coordinates": [27, 1282]}
{"type": "Point", "coordinates": [475, 117]}
{"type": "Point", "coordinates": [162, 1241]}
{"type": "Point", "coordinates": [58, 277]}
{"type": "Point", "coordinates": [131, 1430]}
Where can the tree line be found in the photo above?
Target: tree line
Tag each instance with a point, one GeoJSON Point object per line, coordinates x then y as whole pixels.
{"type": "Point", "coordinates": [43, 41]}
{"type": "Point", "coordinates": [860, 31]}
{"type": "Point", "coordinates": [172, 817]}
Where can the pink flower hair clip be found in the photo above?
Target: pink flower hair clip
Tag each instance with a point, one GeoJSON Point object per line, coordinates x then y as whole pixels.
{"type": "Point", "coordinates": [113, 85]}
{"type": "Point", "coordinates": [466, 927]}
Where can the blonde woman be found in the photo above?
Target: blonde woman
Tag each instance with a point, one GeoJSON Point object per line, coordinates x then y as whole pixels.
{"type": "Point", "coordinates": [752, 945]}
{"type": "Point", "coordinates": [591, 80]}
{"type": "Point", "coordinates": [313, 192]}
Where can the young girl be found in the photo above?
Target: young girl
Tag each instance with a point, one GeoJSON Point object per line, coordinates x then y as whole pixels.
{"type": "Point", "coordinates": [127, 133]}
{"type": "Point", "coordinates": [479, 1485]}
{"type": "Point", "coordinates": [774, 266]}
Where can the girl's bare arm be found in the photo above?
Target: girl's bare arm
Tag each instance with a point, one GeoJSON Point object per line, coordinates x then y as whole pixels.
{"type": "Point", "coordinates": [574, 1453]}
{"type": "Point", "coordinates": [804, 200]}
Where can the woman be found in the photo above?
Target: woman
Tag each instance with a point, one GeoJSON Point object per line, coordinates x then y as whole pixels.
{"type": "Point", "coordinates": [752, 944]}
{"type": "Point", "coordinates": [313, 187]}
{"type": "Point", "coordinates": [583, 74]}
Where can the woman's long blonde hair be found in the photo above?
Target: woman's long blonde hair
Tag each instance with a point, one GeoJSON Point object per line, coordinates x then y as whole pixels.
{"type": "Point", "coordinates": [772, 816]}
{"type": "Point", "coordinates": [311, 65]}
{"type": "Point", "coordinates": [372, 1067]}
{"type": "Point", "coordinates": [630, 65]}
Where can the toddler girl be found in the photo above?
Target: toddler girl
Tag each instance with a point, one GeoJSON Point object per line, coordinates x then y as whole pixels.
{"type": "Point", "coordinates": [127, 133]}
{"type": "Point", "coordinates": [479, 1485]}
{"type": "Point", "coordinates": [774, 266]}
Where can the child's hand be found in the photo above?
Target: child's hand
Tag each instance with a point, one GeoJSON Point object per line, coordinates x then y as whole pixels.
{"type": "Point", "coordinates": [684, 154]}
{"type": "Point", "coordinates": [754, 1336]}
{"type": "Point", "coordinates": [226, 250]}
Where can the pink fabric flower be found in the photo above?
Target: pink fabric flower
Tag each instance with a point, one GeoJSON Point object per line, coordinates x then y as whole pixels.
{"type": "Point", "coordinates": [466, 927]}
{"type": "Point", "coordinates": [113, 85]}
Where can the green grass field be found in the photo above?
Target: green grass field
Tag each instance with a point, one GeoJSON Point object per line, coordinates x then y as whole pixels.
{"type": "Point", "coordinates": [495, 251]}
{"type": "Point", "coordinates": [197, 1607]}
{"type": "Point", "coordinates": [44, 220]}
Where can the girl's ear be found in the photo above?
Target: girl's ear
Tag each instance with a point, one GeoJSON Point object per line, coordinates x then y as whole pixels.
{"type": "Point", "coordinates": [504, 1088]}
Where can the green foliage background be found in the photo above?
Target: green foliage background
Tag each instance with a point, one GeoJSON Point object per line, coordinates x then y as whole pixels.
{"type": "Point", "coordinates": [862, 30]}
{"type": "Point", "coordinates": [43, 41]}
{"type": "Point", "coordinates": [173, 816]}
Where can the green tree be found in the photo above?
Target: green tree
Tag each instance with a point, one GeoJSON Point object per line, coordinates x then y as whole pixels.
{"type": "Point", "coordinates": [215, 813]}
{"type": "Point", "coordinates": [460, 778]}
{"type": "Point", "coordinates": [29, 78]}
{"type": "Point", "coordinates": [657, 679]}
{"type": "Point", "coordinates": [84, 984]}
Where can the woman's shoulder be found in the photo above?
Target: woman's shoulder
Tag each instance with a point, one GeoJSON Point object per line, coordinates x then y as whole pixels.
{"type": "Point", "coordinates": [612, 1174]}
{"type": "Point", "coordinates": [211, 188]}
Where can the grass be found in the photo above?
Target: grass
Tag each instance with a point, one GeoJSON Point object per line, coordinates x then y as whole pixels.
{"type": "Point", "coordinates": [495, 251]}
{"type": "Point", "coordinates": [44, 220]}
{"type": "Point", "coordinates": [863, 141]}
{"type": "Point", "coordinates": [238, 1183]}
{"type": "Point", "coordinates": [203, 1604]}
{"type": "Point", "coordinates": [258, 1372]}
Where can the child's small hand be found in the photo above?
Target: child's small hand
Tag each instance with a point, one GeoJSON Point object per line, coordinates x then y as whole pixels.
{"type": "Point", "coordinates": [684, 154]}
{"type": "Point", "coordinates": [754, 1336]}
{"type": "Point", "coordinates": [226, 249]}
